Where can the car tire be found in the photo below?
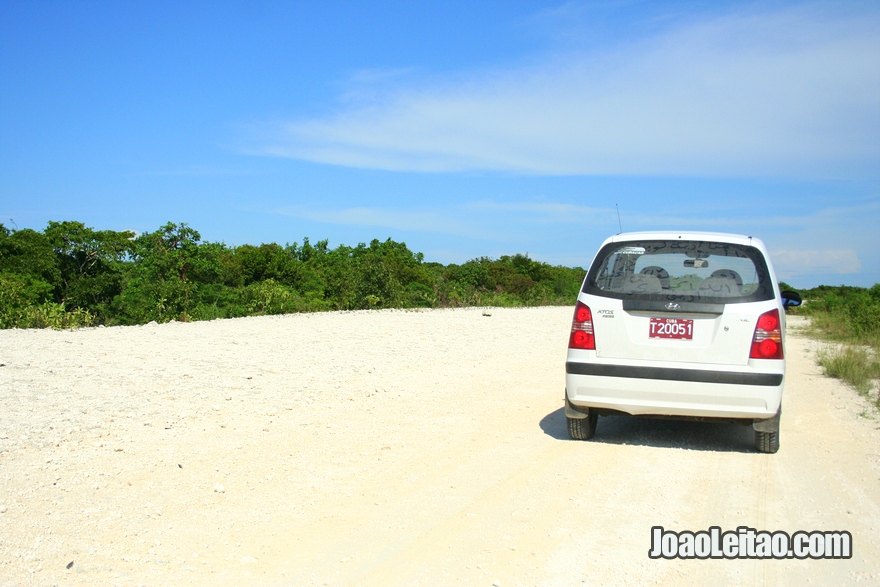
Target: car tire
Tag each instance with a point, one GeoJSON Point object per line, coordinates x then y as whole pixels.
{"type": "Point", "coordinates": [583, 428]}
{"type": "Point", "coordinates": [767, 442]}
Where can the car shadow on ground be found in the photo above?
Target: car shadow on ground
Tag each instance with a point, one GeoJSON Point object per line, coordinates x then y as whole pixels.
{"type": "Point", "coordinates": [625, 430]}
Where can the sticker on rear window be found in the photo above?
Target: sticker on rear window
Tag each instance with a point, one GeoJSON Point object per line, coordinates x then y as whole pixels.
{"type": "Point", "coordinates": [632, 251]}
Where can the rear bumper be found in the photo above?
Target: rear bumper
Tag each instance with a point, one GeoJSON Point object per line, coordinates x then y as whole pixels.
{"type": "Point", "coordinates": [649, 390]}
{"type": "Point", "coordinates": [669, 374]}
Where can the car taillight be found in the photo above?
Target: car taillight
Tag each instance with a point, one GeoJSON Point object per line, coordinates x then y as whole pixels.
{"type": "Point", "coordinates": [582, 329]}
{"type": "Point", "coordinates": [767, 342]}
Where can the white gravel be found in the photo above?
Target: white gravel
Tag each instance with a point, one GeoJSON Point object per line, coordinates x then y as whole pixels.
{"type": "Point", "coordinates": [393, 448]}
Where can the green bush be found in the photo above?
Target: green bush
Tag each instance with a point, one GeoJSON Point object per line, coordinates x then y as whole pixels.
{"type": "Point", "coordinates": [270, 297]}
{"type": "Point", "coordinates": [851, 316]}
{"type": "Point", "coordinates": [144, 300]}
{"type": "Point", "coordinates": [18, 294]}
{"type": "Point", "coordinates": [856, 365]}
{"type": "Point", "coordinates": [52, 315]}
{"type": "Point", "coordinates": [847, 314]}
{"type": "Point", "coordinates": [109, 277]}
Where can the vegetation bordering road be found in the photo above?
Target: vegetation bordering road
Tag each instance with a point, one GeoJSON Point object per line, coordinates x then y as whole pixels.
{"type": "Point", "coordinates": [849, 316]}
{"type": "Point", "coordinates": [70, 275]}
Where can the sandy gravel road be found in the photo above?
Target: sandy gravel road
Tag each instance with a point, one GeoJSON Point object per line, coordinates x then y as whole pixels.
{"type": "Point", "coordinates": [393, 448]}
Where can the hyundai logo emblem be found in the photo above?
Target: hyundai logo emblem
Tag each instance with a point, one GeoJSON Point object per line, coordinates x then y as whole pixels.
{"type": "Point", "coordinates": [672, 306]}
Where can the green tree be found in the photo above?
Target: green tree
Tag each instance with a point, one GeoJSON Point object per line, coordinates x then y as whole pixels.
{"type": "Point", "coordinates": [160, 286]}
{"type": "Point", "coordinates": [91, 264]}
{"type": "Point", "coordinates": [28, 253]}
{"type": "Point", "coordinates": [28, 275]}
{"type": "Point", "coordinates": [268, 261]}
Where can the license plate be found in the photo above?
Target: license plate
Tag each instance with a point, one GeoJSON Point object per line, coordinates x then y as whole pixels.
{"type": "Point", "coordinates": [678, 328]}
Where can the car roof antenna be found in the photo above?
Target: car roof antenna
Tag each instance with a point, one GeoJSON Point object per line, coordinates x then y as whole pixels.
{"type": "Point", "coordinates": [619, 225]}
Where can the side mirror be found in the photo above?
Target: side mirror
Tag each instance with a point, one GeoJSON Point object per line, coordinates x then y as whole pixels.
{"type": "Point", "coordinates": [791, 299]}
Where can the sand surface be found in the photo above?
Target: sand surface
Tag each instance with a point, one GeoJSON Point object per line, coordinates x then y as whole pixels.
{"type": "Point", "coordinates": [393, 448]}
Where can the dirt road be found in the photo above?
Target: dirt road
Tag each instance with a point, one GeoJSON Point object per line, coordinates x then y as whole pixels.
{"type": "Point", "coordinates": [393, 448]}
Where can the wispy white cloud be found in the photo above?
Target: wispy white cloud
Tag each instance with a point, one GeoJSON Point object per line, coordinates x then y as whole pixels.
{"type": "Point", "coordinates": [827, 218]}
{"type": "Point", "coordinates": [544, 212]}
{"type": "Point", "coordinates": [793, 92]}
{"type": "Point", "coordinates": [478, 217]}
{"type": "Point", "coordinates": [484, 219]}
{"type": "Point", "coordinates": [197, 171]}
{"type": "Point", "coordinates": [377, 75]}
{"type": "Point", "coordinates": [793, 263]}
{"type": "Point", "coordinates": [436, 221]}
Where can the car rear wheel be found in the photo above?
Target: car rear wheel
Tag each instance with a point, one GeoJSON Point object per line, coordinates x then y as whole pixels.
{"type": "Point", "coordinates": [767, 441]}
{"type": "Point", "coordinates": [583, 428]}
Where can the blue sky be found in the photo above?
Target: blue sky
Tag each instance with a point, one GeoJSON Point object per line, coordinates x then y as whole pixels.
{"type": "Point", "coordinates": [462, 128]}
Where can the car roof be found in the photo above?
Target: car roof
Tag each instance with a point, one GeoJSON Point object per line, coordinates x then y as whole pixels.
{"type": "Point", "coordinates": [688, 235]}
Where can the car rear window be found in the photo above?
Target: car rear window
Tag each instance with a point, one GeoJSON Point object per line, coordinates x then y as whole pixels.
{"type": "Point", "coordinates": [690, 271]}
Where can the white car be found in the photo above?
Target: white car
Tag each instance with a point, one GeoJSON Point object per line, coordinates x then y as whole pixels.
{"type": "Point", "coordinates": [679, 324]}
